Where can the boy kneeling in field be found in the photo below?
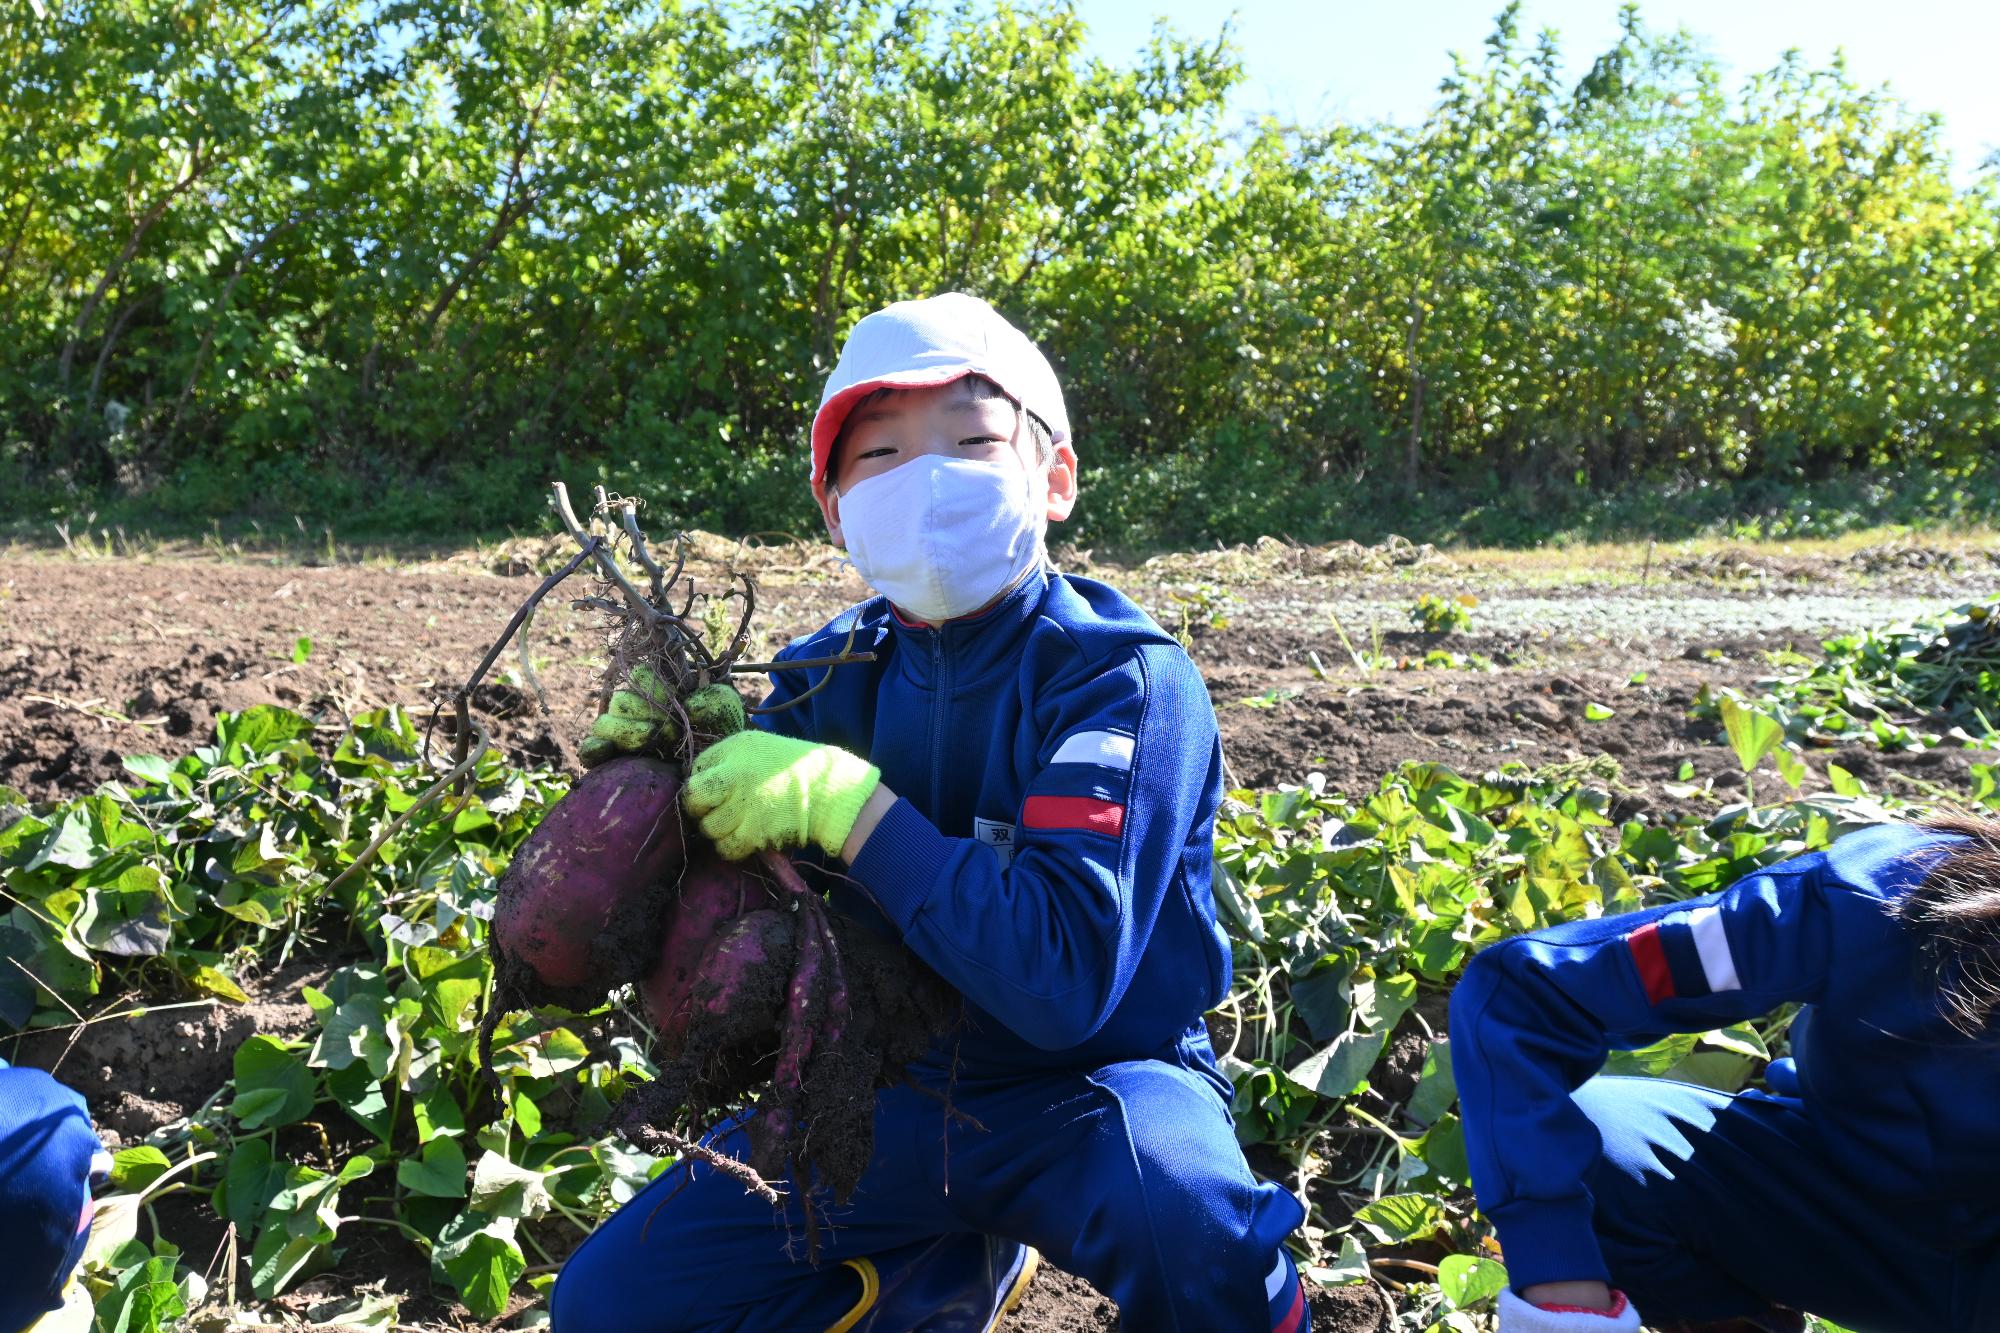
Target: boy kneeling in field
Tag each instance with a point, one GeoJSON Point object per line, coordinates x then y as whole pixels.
{"type": "Point", "coordinates": [1862, 1186]}
{"type": "Point", "coordinates": [1023, 786]}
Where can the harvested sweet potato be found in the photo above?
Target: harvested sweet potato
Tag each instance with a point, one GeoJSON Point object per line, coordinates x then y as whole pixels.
{"type": "Point", "coordinates": [582, 899]}
{"type": "Point", "coordinates": [760, 993]}
{"type": "Point", "coordinates": [712, 898]}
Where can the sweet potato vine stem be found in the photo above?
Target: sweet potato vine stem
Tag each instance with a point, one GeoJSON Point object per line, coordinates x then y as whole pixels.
{"type": "Point", "coordinates": [430, 794]}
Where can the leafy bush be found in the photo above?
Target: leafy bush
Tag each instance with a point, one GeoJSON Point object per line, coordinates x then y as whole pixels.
{"type": "Point", "coordinates": [617, 252]}
{"type": "Point", "coordinates": [1443, 615]}
{"type": "Point", "coordinates": [199, 867]}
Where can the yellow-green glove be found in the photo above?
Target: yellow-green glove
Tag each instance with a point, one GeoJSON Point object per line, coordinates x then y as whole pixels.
{"type": "Point", "coordinates": [642, 718]}
{"type": "Point", "coordinates": [755, 792]}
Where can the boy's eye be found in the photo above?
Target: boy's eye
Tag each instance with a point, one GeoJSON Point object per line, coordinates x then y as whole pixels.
{"type": "Point", "coordinates": [883, 452]}
{"type": "Point", "coordinates": [982, 439]}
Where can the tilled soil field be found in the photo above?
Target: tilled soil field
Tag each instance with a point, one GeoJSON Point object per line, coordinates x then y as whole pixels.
{"type": "Point", "coordinates": [101, 658]}
{"type": "Point", "coordinates": [1305, 659]}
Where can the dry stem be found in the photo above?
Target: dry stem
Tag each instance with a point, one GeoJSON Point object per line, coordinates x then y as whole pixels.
{"type": "Point", "coordinates": [640, 607]}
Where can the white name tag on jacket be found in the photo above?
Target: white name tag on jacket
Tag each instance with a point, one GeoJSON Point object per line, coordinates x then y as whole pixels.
{"type": "Point", "coordinates": [998, 836]}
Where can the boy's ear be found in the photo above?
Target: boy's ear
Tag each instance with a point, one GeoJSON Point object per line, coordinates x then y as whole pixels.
{"type": "Point", "coordinates": [829, 508]}
{"type": "Point", "coordinates": [1062, 483]}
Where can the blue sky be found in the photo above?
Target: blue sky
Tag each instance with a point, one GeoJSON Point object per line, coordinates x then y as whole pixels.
{"type": "Point", "coordinates": [1376, 59]}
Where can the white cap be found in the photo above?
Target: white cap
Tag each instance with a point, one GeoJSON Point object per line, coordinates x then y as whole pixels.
{"type": "Point", "coordinates": [922, 344]}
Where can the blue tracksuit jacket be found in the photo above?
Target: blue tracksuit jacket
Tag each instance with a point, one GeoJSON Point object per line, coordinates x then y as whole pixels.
{"type": "Point", "coordinates": [1907, 1105]}
{"type": "Point", "coordinates": [1058, 772]}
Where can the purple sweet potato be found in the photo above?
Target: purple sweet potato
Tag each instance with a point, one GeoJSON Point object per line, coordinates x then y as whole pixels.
{"type": "Point", "coordinates": [712, 894]}
{"type": "Point", "coordinates": [592, 874]}
{"type": "Point", "coordinates": [735, 995]}
{"type": "Point", "coordinates": [799, 1011]}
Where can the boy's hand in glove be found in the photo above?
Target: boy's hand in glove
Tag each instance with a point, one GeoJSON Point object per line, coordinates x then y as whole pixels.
{"type": "Point", "coordinates": [756, 791]}
{"type": "Point", "coordinates": [642, 718]}
{"type": "Point", "coordinates": [1518, 1316]}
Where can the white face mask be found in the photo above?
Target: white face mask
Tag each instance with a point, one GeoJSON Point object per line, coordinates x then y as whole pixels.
{"type": "Point", "coordinates": [941, 537]}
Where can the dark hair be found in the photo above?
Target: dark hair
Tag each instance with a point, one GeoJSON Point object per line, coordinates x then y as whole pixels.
{"type": "Point", "coordinates": [1955, 910]}
{"type": "Point", "coordinates": [980, 386]}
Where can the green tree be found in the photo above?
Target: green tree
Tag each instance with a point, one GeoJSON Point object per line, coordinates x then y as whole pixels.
{"type": "Point", "coordinates": [407, 259]}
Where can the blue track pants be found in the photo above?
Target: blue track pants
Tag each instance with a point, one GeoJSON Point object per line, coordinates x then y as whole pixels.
{"type": "Point", "coordinates": [1710, 1206]}
{"type": "Point", "coordinates": [1129, 1176]}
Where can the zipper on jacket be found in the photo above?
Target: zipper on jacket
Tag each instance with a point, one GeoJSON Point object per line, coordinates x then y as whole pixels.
{"type": "Point", "coordinates": [939, 689]}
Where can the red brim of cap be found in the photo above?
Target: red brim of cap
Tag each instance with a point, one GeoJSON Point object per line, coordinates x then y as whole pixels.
{"type": "Point", "coordinates": [832, 414]}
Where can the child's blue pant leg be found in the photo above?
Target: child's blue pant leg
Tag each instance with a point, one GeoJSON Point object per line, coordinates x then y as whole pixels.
{"type": "Point", "coordinates": [702, 1255]}
{"type": "Point", "coordinates": [47, 1147]}
{"type": "Point", "coordinates": [1132, 1178]}
{"type": "Point", "coordinates": [1710, 1206]}
{"type": "Point", "coordinates": [1129, 1176]}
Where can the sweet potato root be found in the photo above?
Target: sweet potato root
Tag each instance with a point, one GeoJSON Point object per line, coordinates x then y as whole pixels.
{"type": "Point", "coordinates": [760, 994]}
{"type": "Point", "coordinates": [586, 887]}
{"type": "Point", "coordinates": [715, 938]}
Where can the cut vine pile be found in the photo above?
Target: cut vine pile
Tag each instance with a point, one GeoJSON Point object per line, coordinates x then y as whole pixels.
{"type": "Point", "coordinates": [1887, 685]}
{"type": "Point", "coordinates": [762, 996]}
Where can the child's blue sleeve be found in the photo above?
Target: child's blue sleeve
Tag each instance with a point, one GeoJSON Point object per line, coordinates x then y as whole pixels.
{"type": "Point", "coordinates": [1048, 940]}
{"type": "Point", "coordinates": [1535, 1016]}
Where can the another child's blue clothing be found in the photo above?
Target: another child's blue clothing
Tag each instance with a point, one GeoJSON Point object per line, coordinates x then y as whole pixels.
{"type": "Point", "coordinates": [1890, 1129]}
{"type": "Point", "coordinates": [48, 1152]}
{"type": "Point", "coordinates": [1050, 855]}
{"type": "Point", "coordinates": [1711, 1207]}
